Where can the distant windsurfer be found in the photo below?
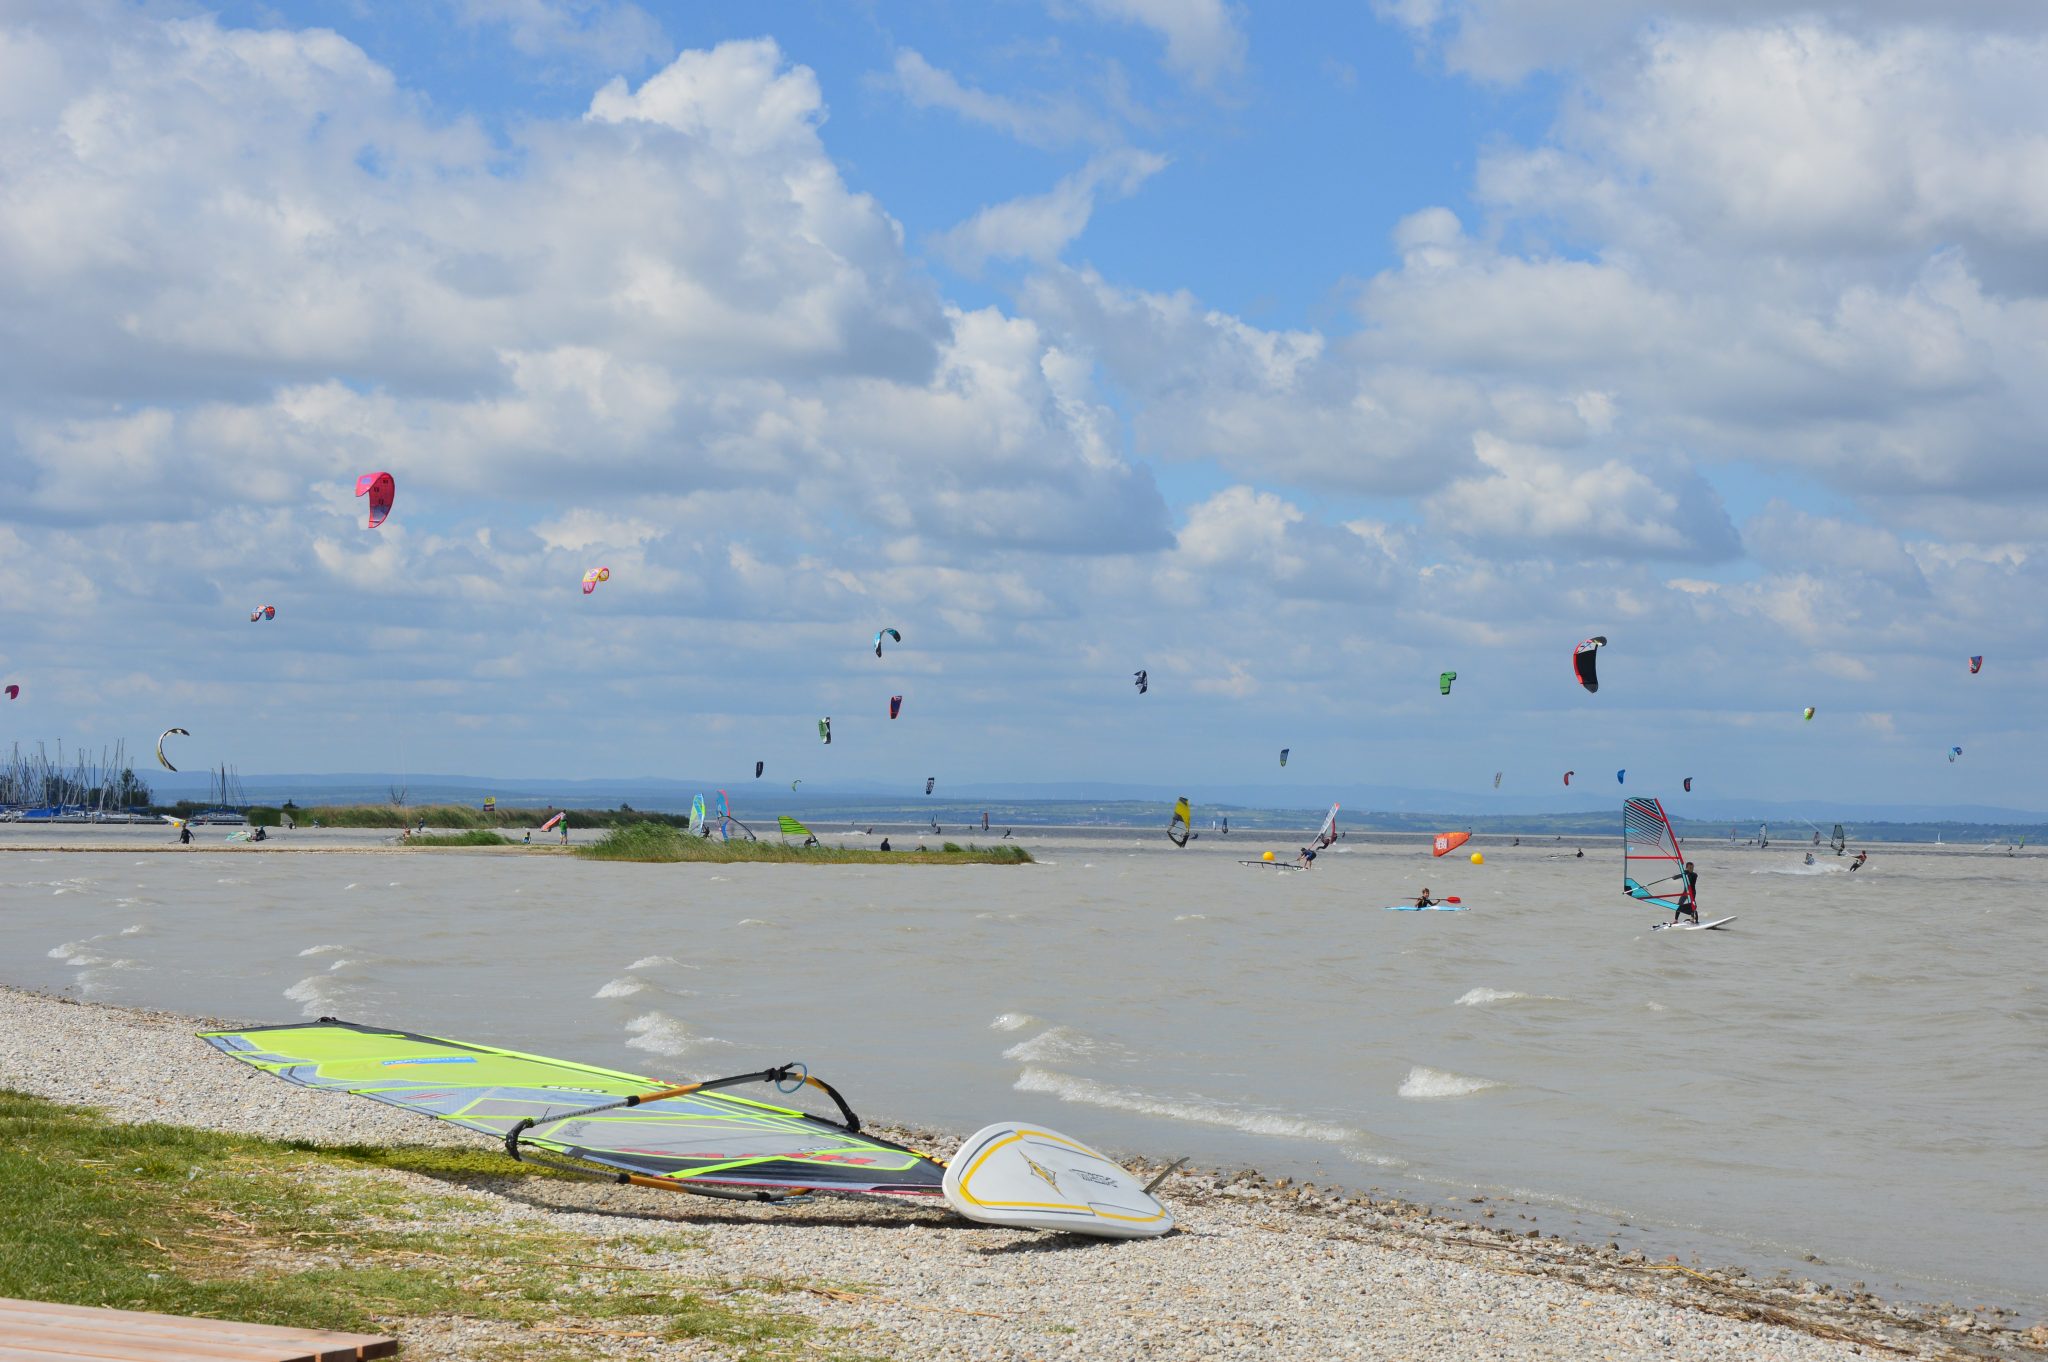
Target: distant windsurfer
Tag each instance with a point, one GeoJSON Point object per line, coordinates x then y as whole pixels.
{"type": "Point", "coordinates": [1688, 897]}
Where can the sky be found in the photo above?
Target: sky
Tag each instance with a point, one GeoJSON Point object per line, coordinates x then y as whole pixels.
{"type": "Point", "coordinates": [1296, 354]}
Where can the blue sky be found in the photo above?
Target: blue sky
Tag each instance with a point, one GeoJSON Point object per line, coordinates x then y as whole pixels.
{"type": "Point", "coordinates": [1294, 353]}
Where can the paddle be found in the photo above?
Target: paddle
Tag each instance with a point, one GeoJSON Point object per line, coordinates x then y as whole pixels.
{"type": "Point", "coordinates": [1454, 899]}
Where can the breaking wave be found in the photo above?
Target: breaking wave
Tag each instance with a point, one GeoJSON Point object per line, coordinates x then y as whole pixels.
{"type": "Point", "coordinates": [1424, 1084]}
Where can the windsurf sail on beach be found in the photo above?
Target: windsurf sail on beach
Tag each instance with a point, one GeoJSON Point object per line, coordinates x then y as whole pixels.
{"type": "Point", "coordinates": [550, 825]}
{"type": "Point", "coordinates": [690, 1137]}
{"type": "Point", "coordinates": [1651, 858]}
{"type": "Point", "coordinates": [791, 828]}
{"type": "Point", "coordinates": [697, 814]}
{"type": "Point", "coordinates": [1325, 835]}
{"type": "Point", "coordinates": [1177, 829]}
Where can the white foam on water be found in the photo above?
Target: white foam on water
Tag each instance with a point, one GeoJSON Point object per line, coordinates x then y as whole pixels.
{"type": "Point", "coordinates": [1058, 1043]}
{"type": "Point", "coordinates": [1068, 1088]}
{"type": "Point", "coordinates": [339, 964]}
{"type": "Point", "coordinates": [1191, 917]}
{"type": "Point", "coordinates": [137, 930]}
{"type": "Point", "coordinates": [753, 922]}
{"type": "Point", "coordinates": [1424, 1084]}
{"type": "Point", "coordinates": [653, 962]}
{"type": "Point", "coordinates": [625, 986]}
{"type": "Point", "coordinates": [661, 1034]}
{"type": "Point", "coordinates": [1483, 997]}
{"type": "Point", "coordinates": [322, 950]}
{"type": "Point", "coordinates": [1817, 868]}
{"type": "Point", "coordinates": [1013, 1021]}
{"type": "Point", "coordinates": [318, 994]}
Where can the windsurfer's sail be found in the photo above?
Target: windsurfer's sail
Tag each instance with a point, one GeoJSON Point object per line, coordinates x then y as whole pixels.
{"type": "Point", "coordinates": [1328, 833]}
{"type": "Point", "coordinates": [685, 1138]}
{"type": "Point", "coordinates": [1651, 856]}
{"type": "Point", "coordinates": [1839, 842]}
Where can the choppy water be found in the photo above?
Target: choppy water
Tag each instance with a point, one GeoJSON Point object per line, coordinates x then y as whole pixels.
{"type": "Point", "coordinates": [1857, 1069]}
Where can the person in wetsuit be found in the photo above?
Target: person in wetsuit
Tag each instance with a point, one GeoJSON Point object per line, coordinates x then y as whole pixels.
{"type": "Point", "coordinates": [1861, 857]}
{"type": "Point", "coordinates": [1689, 897]}
{"type": "Point", "coordinates": [1307, 858]}
{"type": "Point", "coordinates": [1423, 900]}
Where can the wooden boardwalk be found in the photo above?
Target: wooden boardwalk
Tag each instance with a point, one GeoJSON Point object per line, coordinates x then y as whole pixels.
{"type": "Point", "coordinates": [31, 1331]}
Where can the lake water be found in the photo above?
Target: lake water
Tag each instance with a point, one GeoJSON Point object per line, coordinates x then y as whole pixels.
{"type": "Point", "coordinates": [1856, 1069]}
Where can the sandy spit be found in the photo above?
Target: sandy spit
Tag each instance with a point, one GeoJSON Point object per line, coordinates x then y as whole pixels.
{"type": "Point", "coordinates": [1257, 1269]}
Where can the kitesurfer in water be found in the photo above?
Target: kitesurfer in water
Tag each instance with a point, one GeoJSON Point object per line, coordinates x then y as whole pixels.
{"type": "Point", "coordinates": [1861, 857]}
{"type": "Point", "coordinates": [1809, 858]}
{"type": "Point", "coordinates": [1579, 855]}
{"type": "Point", "coordinates": [1689, 897]}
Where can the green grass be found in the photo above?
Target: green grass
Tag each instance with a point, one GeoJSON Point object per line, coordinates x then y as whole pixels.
{"type": "Point", "coordinates": [659, 843]}
{"type": "Point", "coordinates": [473, 837]}
{"type": "Point", "coordinates": [186, 1222]}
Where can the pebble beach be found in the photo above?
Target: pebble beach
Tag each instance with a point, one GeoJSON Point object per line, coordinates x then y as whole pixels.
{"type": "Point", "coordinates": [1256, 1267]}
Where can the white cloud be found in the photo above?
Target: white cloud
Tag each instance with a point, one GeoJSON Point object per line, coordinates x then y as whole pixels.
{"type": "Point", "coordinates": [1532, 498]}
{"type": "Point", "coordinates": [1204, 41]}
{"type": "Point", "coordinates": [1041, 121]}
{"type": "Point", "coordinates": [1507, 39]}
{"type": "Point", "coordinates": [600, 32]}
{"type": "Point", "coordinates": [1039, 227]}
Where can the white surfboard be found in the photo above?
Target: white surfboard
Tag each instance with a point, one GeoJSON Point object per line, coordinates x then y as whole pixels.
{"type": "Point", "coordinates": [1691, 926]}
{"type": "Point", "coordinates": [1026, 1176]}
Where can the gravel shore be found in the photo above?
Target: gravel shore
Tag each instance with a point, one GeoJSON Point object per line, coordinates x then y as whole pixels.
{"type": "Point", "coordinates": [1257, 1269]}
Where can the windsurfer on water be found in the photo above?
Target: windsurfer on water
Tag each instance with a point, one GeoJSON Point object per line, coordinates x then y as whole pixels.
{"type": "Point", "coordinates": [1688, 897]}
{"type": "Point", "coordinates": [1307, 858]}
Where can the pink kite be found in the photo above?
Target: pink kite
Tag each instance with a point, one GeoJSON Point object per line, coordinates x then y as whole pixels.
{"type": "Point", "coordinates": [381, 491]}
{"type": "Point", "coordinates": [593, 577]}
{"type": "Point", "coordinates": [14, 692]}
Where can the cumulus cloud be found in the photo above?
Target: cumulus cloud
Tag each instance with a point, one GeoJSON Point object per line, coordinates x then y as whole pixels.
{"type": "Point", "coordinates": [1039, 227]}
{"type": "Point", "coordinates": [1531, 498]}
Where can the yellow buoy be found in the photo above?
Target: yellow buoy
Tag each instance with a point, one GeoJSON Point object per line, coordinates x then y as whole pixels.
{"type": "Point", "coordinates": [1267, 857]}
{"type": "Point", "coordinates": [1477, 859]}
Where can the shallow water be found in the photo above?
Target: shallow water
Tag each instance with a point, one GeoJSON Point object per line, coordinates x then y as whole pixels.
{"type": "Point", "coordinates": [1856, 1069]}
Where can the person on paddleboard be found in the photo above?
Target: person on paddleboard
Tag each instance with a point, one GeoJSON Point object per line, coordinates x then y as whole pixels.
{"type": "Point", "coordinates": [1689, 897]}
